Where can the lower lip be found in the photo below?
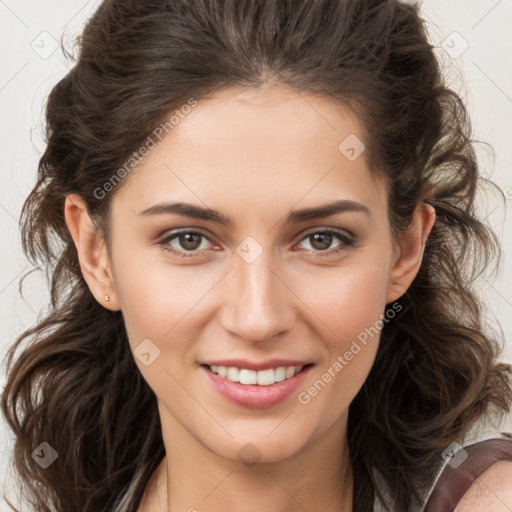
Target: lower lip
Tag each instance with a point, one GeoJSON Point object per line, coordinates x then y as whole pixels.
{"type": "Point", "coordinates": [256, 396]}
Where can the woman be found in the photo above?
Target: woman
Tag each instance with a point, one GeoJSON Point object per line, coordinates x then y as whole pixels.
{"type": "Point", "coordinates": [262, 286]}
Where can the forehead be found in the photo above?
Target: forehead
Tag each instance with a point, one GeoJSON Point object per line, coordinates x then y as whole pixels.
{"type": "Point", "coordinates": [262, 145]}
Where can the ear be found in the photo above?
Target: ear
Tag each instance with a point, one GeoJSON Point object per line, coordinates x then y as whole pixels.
{"type": "Point", "coordinates": [410, 251]}
{"type": "Point", "coordinates": [92, 252]}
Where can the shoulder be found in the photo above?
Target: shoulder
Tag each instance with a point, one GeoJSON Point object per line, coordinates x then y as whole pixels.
{"type": "Point", "coordinates": [475, 477]}
{"type": "Point", "coordinates": [492, 490]}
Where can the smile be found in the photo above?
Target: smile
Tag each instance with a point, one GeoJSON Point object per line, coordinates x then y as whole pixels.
{"type": "Point", "coordinates": [261, 377]}
{"type": "Point", "coordinates": [258, 389]}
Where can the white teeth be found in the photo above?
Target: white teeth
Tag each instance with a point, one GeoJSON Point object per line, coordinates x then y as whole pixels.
{"type": "Point", "coordinates": [290, 372]}
{"type": "Point", "coordinates": [266, 377]}
{"type": "Point", "coordinates": [280, 373]}
{"type": "Point", "coordinates": [248, 377]}
{"type": "Point", "coordinates": [233, 374]}
{"type": "Point", "coordinates": [262, 377]}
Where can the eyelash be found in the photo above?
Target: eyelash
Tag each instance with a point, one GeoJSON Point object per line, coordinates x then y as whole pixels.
{"type": "Point", "coordinates": [347, 242]}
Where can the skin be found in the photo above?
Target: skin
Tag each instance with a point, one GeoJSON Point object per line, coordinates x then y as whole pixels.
{"type": "Point", "coordinates": [254, 155]}
{"type": "Point", "coordinates": [492, 490]}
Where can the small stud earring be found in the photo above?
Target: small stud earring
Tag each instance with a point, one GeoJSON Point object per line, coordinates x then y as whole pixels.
{"type": "Point", "coordinates": [107, 298]}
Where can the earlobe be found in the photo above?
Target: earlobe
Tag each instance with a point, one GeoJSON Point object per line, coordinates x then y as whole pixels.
{"type": "Point", "coordinates": [411, 250]}
{"type": "Point", "coordinates": [92, 252]}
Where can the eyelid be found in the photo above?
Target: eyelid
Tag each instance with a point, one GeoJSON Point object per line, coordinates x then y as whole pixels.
{"type": "Point", "coordinates": [336, 231]}
{"type": "Point", "coordinates": [346, 238]}
{"type": "Point", "coordinates": [168, 236]}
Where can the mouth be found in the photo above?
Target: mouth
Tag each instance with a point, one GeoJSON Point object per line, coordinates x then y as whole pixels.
{"type": "Point", "coordinates": [246, 376]}
{"type": "Point", "coordinates": [256, 388]}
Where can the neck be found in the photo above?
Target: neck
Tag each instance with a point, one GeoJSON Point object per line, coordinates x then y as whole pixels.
{"type": "Point", "coordinates": [192, 478]}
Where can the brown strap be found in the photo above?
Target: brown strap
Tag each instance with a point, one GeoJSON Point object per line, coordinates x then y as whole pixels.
{"type": "Point", "coordinates": [457, 477]}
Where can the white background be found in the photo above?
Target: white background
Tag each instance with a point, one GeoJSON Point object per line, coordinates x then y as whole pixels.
{"type": "Point", "coordinates": [475, 45]}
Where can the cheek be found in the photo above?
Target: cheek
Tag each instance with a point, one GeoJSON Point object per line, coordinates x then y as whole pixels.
{"type": "Point", "coordinates": [160, 305]}
{"type": "Point", "coordinates": [156, 297]}
{"type": "Point", "coordinates": [350, 297]}
{"type": "Point", "coordinates": [353, 315]}
{"type": "Point", "coordinates": [350, 301]}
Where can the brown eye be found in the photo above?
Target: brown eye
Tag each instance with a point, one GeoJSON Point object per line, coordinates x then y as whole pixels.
{"type": "Point", "coordinates": [322, 241]}
{"type": "Point", "coordinates": [190, 241]}
{"type": "Point", "coordinates": [184, 243]}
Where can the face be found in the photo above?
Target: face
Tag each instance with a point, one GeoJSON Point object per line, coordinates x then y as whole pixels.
{"type": "Point", "coordinates": [262, 284]}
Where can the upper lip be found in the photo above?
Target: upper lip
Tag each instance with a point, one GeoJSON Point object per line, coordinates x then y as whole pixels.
{"type": "Point", "coordinates": [255, 365]}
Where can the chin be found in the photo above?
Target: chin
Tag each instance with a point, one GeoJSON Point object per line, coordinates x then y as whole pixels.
{"type": "Point", "coordinates": [258, 449]}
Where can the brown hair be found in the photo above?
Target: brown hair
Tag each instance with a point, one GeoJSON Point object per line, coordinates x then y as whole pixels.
{"type": "Point", "coordinates": [75, 384]}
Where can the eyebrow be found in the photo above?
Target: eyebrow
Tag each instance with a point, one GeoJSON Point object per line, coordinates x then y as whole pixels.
{"type": "Point", "coordinates": [198, 212]}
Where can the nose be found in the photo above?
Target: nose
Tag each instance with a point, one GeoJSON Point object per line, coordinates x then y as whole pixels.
{"type": "Point", "coordinates": [259, 302]}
